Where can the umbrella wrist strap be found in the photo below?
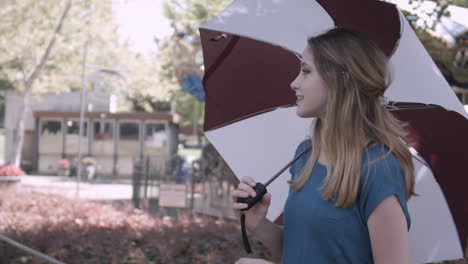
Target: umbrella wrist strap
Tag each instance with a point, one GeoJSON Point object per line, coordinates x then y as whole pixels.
{"type": "Point", "coordinates": [244, 234]}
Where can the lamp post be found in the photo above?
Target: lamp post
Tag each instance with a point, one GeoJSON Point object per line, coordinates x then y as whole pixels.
{"type": "Point", "coordinates": [83, 103]}
{"type": "Point", "coordinates": [82, 110]}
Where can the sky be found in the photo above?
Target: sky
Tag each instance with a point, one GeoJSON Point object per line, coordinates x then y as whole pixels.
{"type": "Point", "coordinates": [140, 21]}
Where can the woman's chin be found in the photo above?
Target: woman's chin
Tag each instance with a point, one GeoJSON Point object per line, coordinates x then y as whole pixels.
{"type": "Point", "coordinates": [303, 114]}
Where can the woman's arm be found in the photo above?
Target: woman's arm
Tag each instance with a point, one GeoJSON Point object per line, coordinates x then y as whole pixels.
{"type": "Point", "coordinates": [271, 235]}
{"type": "Point", "coordinates": [389, 233]}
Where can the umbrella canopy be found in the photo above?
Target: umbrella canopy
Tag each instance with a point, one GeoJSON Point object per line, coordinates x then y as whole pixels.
{"type": "Point", "coordinates": [249, 55]}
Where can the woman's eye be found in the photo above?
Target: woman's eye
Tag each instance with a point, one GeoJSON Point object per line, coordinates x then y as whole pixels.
{"type": "Point", "coordinates": [303, 70]}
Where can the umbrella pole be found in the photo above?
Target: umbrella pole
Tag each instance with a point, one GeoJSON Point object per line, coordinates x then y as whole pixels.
{"type": "Point", "coordinates": [287, 166]}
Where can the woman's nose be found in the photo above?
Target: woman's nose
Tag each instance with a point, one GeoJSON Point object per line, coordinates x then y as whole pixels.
{"type": "Point", "coordinates": [294, 84]}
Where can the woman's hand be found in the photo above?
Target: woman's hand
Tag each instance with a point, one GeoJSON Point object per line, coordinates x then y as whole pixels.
{"type": "Point", "coordinates": [252, 261]}
{"type": "Point", "coordinates": [256, 214]}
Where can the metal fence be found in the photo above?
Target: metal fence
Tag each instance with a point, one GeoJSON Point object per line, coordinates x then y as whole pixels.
{"type": "Point", "coordinates": [208, 182]}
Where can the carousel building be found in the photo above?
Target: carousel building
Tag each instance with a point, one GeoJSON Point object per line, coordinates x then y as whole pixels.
{"type": "Point", "coordinates": [112, 142]}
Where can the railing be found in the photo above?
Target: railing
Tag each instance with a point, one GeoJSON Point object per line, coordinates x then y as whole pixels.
{"type": "Point", "coordinates": [29, 250]}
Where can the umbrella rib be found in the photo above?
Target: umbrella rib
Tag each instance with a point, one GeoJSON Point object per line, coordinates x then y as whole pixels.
{"type": "Point", "coordinates": [418, 157]}
{"type": "Point", "coordinates": [230, 46]}
{"type": "Point", "coordinates": [398, 108]}
{"type": "Point", "coordinates": [248, 116]}
{"type": "Point", "coordinates": [413, 151]}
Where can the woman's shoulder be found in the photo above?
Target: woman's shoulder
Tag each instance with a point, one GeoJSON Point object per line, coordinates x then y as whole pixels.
{"type": "Point", "coordinates": [301, 161]}
{"type": "Point", "coordinates": [379, 153]}
{"type": "Point", "coordinates": [304, 144]}
{"type": "Point", "coordinates": [378, 159]}
{"type": "Point", "coordinates": [382, 176]}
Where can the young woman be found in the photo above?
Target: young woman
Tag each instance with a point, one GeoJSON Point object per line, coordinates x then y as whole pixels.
{"type": "Point", "coordinates": [348, 196]}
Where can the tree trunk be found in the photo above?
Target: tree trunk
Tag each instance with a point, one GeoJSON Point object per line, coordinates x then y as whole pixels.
{"type": "Point", "coordinates": [18, 135]}
{"type": "Point", "coordinates": [28, 80]}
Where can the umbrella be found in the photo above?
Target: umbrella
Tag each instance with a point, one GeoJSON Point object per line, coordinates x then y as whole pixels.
{"type": "Point", "coordinates": [250, 118]}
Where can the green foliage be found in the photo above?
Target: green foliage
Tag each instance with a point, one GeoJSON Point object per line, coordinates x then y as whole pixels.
{"type": "Point", "coordinates": [5, 84]}
{"type": "Point", "coordinates": [434, 16]}
{"type": "Point", "coordinates": [460, 3]}
{"type": "Point", "coordinates": [42, 50]}
{"type": "Point", "coordinates": [27, 27]}
{"type": "Point", "coordinates": [188, 107]}
{"type": "Point", "coordinates": [186, 16]}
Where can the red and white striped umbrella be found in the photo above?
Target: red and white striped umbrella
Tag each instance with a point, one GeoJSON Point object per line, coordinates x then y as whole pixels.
{"type": "Point", "coordinates": [250, 117]}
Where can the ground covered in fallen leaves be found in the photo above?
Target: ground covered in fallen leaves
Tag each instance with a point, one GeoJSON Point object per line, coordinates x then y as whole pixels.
{"type": "Point", "coordinates": [78, 231]}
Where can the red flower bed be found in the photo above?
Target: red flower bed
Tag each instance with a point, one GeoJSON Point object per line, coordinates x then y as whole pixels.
{"type": "Point", "coordinates": [11, 170]}
{"type": "Point", "coordinates": [77, 231]}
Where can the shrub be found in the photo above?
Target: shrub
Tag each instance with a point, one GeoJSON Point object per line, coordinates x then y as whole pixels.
{"type": "Point", "coordinates": [78, 231]}
{"type": "Point", "coordinates": [11, 170]}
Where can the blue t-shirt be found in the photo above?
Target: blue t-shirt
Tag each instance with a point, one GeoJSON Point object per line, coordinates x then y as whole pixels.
{"type": "Point", "coordinates": [315, 231]}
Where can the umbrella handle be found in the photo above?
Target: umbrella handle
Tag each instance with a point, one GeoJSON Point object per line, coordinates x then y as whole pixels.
{"type": "Point", "coordinates": [260, 190]}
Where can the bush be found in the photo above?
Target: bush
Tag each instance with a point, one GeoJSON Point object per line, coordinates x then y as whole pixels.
{"type": "Point", "coordinates": [77, 231]}
{"type": "Point", "coordinates": [11, 170]}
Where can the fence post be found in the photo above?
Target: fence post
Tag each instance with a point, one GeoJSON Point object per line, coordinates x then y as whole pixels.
{"type": "Point", "coordinates": [136, 177]}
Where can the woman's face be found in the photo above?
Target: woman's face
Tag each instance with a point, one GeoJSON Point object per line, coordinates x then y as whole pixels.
{"type": "Point", "coordinates": [309, 87]}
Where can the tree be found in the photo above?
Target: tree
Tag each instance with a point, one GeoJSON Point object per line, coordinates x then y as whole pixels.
{"type": "Point", "coordinates": [181, 53]}
{"type": "Point", "coordinates": [41, 50]}
{"type": "Point", "coordinates": [30, 70]}
{"type": "Point", "coordinates": [187, 15]}
{"type": "Point", "coordinates": [427, 20]}
{"type": "Point", "coordinates": [460, 3]}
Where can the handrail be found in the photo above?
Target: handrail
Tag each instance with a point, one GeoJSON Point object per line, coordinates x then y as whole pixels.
{"type": "Point", "coordinates": [29, 250]}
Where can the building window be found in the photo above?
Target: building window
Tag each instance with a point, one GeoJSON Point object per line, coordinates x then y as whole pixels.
{"type": "Point", "coordinates": [155, 138]}
{"type": "Point", "coordinates": [50, 137]}
{"type": "Point", "coordinates": [72, 138]}
{"type": "Point", "coordinates": [129, 138]}
{"type": "Point", "coordinates": [103, 132]}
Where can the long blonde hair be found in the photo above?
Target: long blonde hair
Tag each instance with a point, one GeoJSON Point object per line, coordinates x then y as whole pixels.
{"type": "Point", "coordinates": [355, 73]}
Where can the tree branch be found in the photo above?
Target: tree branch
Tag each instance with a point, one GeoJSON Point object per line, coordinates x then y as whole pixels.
{"type": "Point", "coordinates": [20, 64]}
{"type": "Point", "coordinates": [46, 54]}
